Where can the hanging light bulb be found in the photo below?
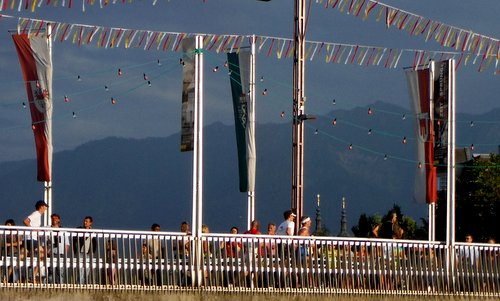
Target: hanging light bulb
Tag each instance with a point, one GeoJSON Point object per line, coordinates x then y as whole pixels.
{"type": "Point", "coordinates": [282, 114]}
{"type": "Point", "coordinates": [419, 164]}
{"type": "Point", "coordinates": [334, 102]}
{"type": "Point", "coordinates": [66, 98]}
{"type": "Point", "coordinates": [316, 132]}
{"type": "Point", "coordinates": [262, 78]}
{"type": "Point", "coordinates": [226, 64]}
{"type": "Point", "coordinates": [229, 72]}
{"type": "Point", "coordinates": [370, 111]}
{"type": "Point", "coordinates": [215, 69]}
{"type": "Point", "coordinates": [120, 72]}
{"type": "Point", "coordinates": [350, 146]}
{"type": "Point", "coordinates": [145, 76]}
{"type": "Point", "coordinates": [334, 122]}
{"type": "Point", "coordinates": [24, 105]}
{"type": "Point", "coordinates": [385, 157]}
{"type": "Point", "coordinates": [471, 123]}
{"type": "Point", "coordinates": [404, 140]}
{"type": "Point", "coordinates": [158, 62]}
{"type": "Point", "coordinates": [149, 83]}
{"type": "Point", "coordinates": [472, 146]}
{"type": "Point", "coordinates": [113, 100]}
{"type": "Point", "coordinates": [403, 117]}
{"type": "Point", "coordinates": [264, 92]}
{"type": "Point", "coordinates": [74, 115]}
{"type": "Point", "coordinates": [79, 78]}
{"type": "Point", "coordinates": [106, 88]}
{"type": "Point", "coordinates": [369, 131]}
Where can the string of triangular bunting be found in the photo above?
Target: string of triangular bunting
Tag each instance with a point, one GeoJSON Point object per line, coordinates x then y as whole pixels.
{"type": "Point", "coordinates": [486, 48]}
{"type": "Point", "coordinates": [339, 53]}
{"type": "Point", "coordinates": [32, 5]}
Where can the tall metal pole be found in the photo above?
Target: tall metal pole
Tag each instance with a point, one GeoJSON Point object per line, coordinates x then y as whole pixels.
{"type": "Point", "coordinates": [47, 195]}
{"type": "Point", "coordinates": [251, 121]}
{"type": "Point", "coordinates": [432, 206]}
{"type": "Point", "coordinates": [298, 108]}
{"type": "Point", "coordinates": [450, 194]}
{"type": "Point", "coordinates": [198, 159]}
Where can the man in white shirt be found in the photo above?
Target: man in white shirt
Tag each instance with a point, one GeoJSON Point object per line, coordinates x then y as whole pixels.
{"type": "Point", "coordinates": [287, 227]}
{"type": "Point", "coordinates": [59, 243]}
{"type": "Point", "coordinates": [35, 220]}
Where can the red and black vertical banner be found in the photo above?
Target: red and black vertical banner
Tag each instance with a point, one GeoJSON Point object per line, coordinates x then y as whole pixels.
{"type": "Point", "coordinates": [188, 95]}
{"type": "Point", "coordinates": [419, 85]}
{"type": "Point", "coordinates": [36, 64]}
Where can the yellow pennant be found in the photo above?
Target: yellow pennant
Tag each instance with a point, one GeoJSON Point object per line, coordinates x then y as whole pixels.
{"type": "Point", "coordinates": [368, 8]}
{"type": "Point", "coordinates": [379, 15]}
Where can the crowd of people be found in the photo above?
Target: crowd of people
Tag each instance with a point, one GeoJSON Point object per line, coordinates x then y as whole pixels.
{"type": "Point", "coordinates": [153, 249]}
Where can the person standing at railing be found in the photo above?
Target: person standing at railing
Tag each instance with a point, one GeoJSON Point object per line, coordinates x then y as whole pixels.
{"type": "Point", "coordinates": [389, 228]}
{"type": "Point", "coordinates": [10, 250]}
{"type": "Point", "coordinates": [111, 261]}
{"type": "Point", "coordinates": [35, 220]}
{"type": "Point", "coordinates": [286, 228]}
{"type": "Point", "coordinates": [57, 249]}
{"type": "Point", "coordinates": [468, 254]}
{"type": "Point", "coordinates": [85, 247]}
{"type": "Point", "coordinates": [232, 246]}
{"type": "Point", "coordinates": [155, 245]}
{"type": "Point", "coordinates": [305, 229]}
{"type": "Point", "coordinates": [491, 266]}
{"type": "Point", "coordinates": [251, 250]}
{"type": "Point", "coordinates": [467, 262]}
{"type": "Point", "coordinates": [270, 247]}
{"type": "Point", "coordinates": [187, 246]}
{"type": "Point", "coordinates": [39, 272]}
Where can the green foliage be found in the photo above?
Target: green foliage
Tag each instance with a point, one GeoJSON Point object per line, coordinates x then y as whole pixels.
{"type": "Point", "coordinates": [478, 199]}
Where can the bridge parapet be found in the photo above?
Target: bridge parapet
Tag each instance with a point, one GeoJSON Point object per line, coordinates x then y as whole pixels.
{"type": "Point", "coordinates": [162, 261]}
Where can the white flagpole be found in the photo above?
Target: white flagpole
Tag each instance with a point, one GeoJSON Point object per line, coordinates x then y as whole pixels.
{"type": "Point", "coordinates": [48, 184]}
{"type": "Point", "coordinates": [198, 159]}
{"type": "Point", "coordinates": [432, 206]}
{"type": "Point", "coordinates": [251, 122]}
{"type": "Point", "coordinates": [450, 194]}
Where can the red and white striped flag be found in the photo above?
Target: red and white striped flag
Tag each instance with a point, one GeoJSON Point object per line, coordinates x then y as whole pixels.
{"type": "Point", "coordinates": [36, 64]}
{"type": "Point", "coordinates": [420, 102]}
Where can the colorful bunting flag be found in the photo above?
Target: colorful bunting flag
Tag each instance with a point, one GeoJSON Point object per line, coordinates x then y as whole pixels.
{"type": "Point", "coordinates": [470, 44]}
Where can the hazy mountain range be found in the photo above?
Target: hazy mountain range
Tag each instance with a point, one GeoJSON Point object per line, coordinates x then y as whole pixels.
{"type": "Point", "coordinates": [132, 183]}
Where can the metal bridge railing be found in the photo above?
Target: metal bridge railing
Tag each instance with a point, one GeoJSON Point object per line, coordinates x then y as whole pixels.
{"type": "Point", "coordinates": [97, 259]}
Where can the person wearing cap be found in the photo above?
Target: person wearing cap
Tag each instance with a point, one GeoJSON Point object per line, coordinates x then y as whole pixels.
{"type": "Point", "coordinates": [287, 227]}
{"type": "Point", "coordinates": [35, 220]}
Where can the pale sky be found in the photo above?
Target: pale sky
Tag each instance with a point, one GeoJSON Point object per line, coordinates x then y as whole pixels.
{"type": "Point", "coordinates": [155, 111]}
